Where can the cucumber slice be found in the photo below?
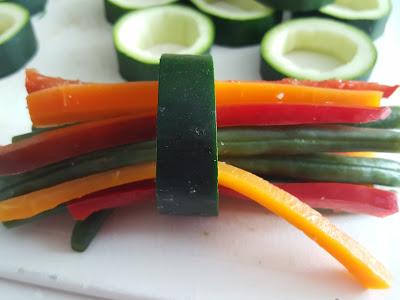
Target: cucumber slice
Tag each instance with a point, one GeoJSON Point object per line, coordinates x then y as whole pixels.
{"type": "Point", "coordinates": [17, 39]}
{"type": "Point", "coordinates": [317, 49]}
{"type": "Point", "coordinates": [34, 6]}
{"type": "Point", "coordinates": [141, 37]}
{"type": "Point", "coordinates": [187, 171]}
{"type": "Point", "coordinates": [297, 5]}
{"type": "Point", "coordinates": [370, 16]}
{"type": "Point", "coordinates": [239, 22]}
{"type": "Point", "coordinates": [115, 9]}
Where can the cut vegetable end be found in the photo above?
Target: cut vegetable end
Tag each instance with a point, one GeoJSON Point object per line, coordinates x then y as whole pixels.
{"type": "Point", "coordinates": [167, 29]}
{"type": "Point", "coordinates": [85, 231]}
{"type": "Point", "coordinates": [353, 256]}
{"type": "Point", "coordinates": [17, 40]}
{"type": "Point", "coordinates": [316, 49]}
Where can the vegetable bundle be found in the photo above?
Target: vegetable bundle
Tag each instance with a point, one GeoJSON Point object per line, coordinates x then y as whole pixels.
{"type": "Point", "coordinates": [100, 151]}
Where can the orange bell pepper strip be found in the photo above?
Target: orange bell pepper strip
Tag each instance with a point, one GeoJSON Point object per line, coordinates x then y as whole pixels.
{"type": "Point", "coordinates": [83, 102]}
{"type": "Point", "coordinates": [353, 256]}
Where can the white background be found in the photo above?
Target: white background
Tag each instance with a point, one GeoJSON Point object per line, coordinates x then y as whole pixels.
{"type": "Point", "coordinates": [244, 254]}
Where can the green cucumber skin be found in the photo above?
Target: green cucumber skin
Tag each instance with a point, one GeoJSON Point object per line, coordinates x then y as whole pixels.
{"type": "Point", "coordinates": [85, 231]}
{"type": "Point", "coordinates": [270, 73]}
{"type": "Point", "coordinates": [18, 50]}
{"type": "Point", "coordinates": [113, 12]}
{"type": "Point", "coordinates": [374, 28]}
{"type": "Point", "coordinates": [52, 212]}
{"type": "Point", "coordinates": [323, 167]}
{"type": "Point", "coordinates": [187, 158]}
{"type": "Point", "coordinates": [235, 33]}
{"type": "Point", "coordinates": [296, 5]}
{"type": "Point", "coordinates": [134, 70]}
{"type": "Point", "coordinates": [34, 6]}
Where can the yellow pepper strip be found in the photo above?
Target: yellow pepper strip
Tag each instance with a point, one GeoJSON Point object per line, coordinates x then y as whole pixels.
{"type": "Point", "coordinates": [370, 272]}
{"type": "Point", "coordinates": [31, 204]}
{"type": "Point", "coordinates": [359, 154]}
{"type": "Point", "coordinates": [352, 255]}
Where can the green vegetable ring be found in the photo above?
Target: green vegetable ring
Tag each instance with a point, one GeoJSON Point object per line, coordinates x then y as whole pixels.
{"type": "Point", "coordinates": [352, 51]}
{"type": "Point", "coordinates": [17, 39]}
{"type": "Point", "coordinates": [141, 37]}
{"type": "Point", "coordinates": [239, 22]}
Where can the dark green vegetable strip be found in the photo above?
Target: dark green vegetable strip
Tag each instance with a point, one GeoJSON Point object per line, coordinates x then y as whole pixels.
{"type": "Point", "coordinates": [242, 142]}
{"type": "Point", "coordinates": [304, 140]}
{"type": "Point", "coordinates": [100, 161]}
{"type": "Point", "coordinates": [53, 212]}
{"type": "Point", "coordinates": [85, 231]}
{"type": "Point", "coordinates": [391, 122]}
{"type": "Point", "coordinates": [187, 170]}
{"type": "Point", "coordinates": [324, 167]}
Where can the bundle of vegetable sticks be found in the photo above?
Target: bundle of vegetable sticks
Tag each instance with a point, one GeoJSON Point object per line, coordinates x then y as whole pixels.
{"type": "Point", "coordinates": [92, 149]}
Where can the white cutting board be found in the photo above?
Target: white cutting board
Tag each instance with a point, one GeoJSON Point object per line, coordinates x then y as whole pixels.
{"type": "Point", "coordinates": [245, 253]}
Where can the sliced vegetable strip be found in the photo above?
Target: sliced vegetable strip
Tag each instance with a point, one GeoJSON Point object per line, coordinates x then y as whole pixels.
{"type": "Point", "coordinates": [278, 114]}
{"type": "Point", "coordinates": [344, 85]}
{"type": "Point", "coordinates": [31, 204]}
{"type": "Point", "coordinates": [356, 259]}
{"type": "Point", "coordinates": [287, 140]}
{"type": "Point", "coordinates": [75, 103]}
{"type": "Point", "coordinates": [77, 167]}
{"type": "Point", "coordinates": [60, 144]}
{"type": "Point", "coordinates": [369, 272]}
{"type": "Point", "coordinates": [85, 231]}
{"type": "Point", "coordinates": [324, 167]}
{"type": "Point", "coordinates": [36, 81]}
{"type": "Point", "coordinates": [85, 102]}
{"type": "Point", "coordinates": [257, 92]}
{"type": "Point", "coordinates": [119, 196]}
{"type": "Point", "coordinates": [350, 198]}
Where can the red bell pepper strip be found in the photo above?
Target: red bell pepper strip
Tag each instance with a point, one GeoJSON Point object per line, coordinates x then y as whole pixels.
{"type": "Point", "coordinates": [34, 81]}
{"type": "Point", "coordinates": [120, 196]}
{"type": "Point", "coordinates": [344, 197]}
{"type": "Point", "coordinates": [59, 144]}
{"type": "Point", "coordinates": [63, 143]}
{"type": "Point", "coordinates": [351, 198]}
{"type": "Point", "coordinates": [284, 114]}
{"type": "Point", "coordinates": [344, 84]}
